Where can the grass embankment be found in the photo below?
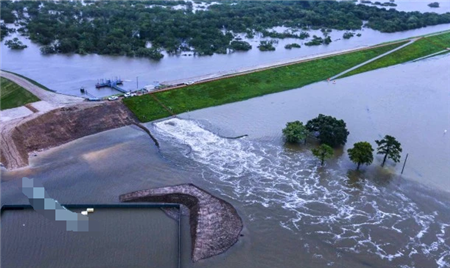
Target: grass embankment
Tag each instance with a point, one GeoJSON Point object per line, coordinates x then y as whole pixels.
{"type": "Point", "coordinates": [421, 48]}
{"type": "Point", "coordinates": [30, 80]}
{"type": "Point", "coordinates": [247, 86]}
{"type": "Point", "coordinates": [13, 95]}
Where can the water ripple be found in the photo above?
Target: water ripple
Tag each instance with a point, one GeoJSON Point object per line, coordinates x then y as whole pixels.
{"type": "Point", "coordinates": [318, 202]}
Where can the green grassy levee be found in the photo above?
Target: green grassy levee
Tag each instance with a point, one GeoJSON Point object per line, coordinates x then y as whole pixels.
{"type": "Point", "coordinates": [247, 86]}
{"type": "Point", "coordinates": [13, 95]}
{"type": "Point", "coordinates": [420, 48]}
{"type": "Point", "coordinates": [30, 80]}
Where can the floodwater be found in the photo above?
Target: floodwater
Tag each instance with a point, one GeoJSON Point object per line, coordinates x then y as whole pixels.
{"type": "Point", "coordinates": [419, 5]}
{"type": "Point", "coordinates": [295, 213]}
{"type": "Point", "coordinates": [119, 239]}
{"type": "Point", "coordinates": [68, 73]}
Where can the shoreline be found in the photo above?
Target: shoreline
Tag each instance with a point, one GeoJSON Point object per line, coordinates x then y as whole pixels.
{"type": "Point", "coordinates": [276, 78]}
{"type": "Point", "coordinates": [41, 131]}
{"type": "Point", "coordinates": [15, 156]}
{"type": "Point", "coordinates": [262, 67]}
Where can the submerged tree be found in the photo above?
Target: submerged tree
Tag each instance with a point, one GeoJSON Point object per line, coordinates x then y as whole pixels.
{"type": "Point", "coordinates": [266, 45]}
{"type": "Point", "coordinates": [295, 132]}
{"type": "Point", "coordinates": [323, 152]}
{"type": "Point", "coordinates": [293, 45]}
{"type": "Point", "coordinates": [15, 43]}
{"type": "Point", "coordinates": [361, 153]}
{"type": "Point", "coordinates": [122, 27]}
{"type": "Point", "coordinates": [328, 130]}
{"type": "Point", "coordinates": [434, 4]}
{"type": "Point", "coordinates": [240, 45]}
{"type": "Point", "coordinates": [390, 148]}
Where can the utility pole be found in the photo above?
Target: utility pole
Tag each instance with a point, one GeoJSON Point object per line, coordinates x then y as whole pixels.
{"type": "Point", "coordinates": [137, 82]}
{"type": "Point", "coordinates": [404, 163]}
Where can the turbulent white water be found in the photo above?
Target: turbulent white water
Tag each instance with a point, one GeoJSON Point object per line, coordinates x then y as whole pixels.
{"type": "Point", "coordinates": [355, 216]}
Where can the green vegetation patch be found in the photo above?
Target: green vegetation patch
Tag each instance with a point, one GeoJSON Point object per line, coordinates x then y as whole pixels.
{"type": "Point", "coordinates": [125, 27]}
{"type": "Point", "coordinates": [243, 87]}
{"type": "Point", "coordinates": [13, 95]}
{"type": "Point", "coordinates": [421, 48]}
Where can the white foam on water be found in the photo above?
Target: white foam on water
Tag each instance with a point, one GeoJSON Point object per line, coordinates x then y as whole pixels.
{"type": "Point", "coordinates": [314, 201]}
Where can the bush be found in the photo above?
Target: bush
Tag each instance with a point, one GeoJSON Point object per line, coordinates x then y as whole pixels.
{"type": "Point", "coordinates": [348, 35]}
{"type": "Point", "coordinates": [15, 44]}
{"type": "Point", "coordinates": [151, 53]}
{"type": "Point", "coordinates": [240, 46]}
{"type": "Point", "coordinates": [303, 35]}
{"type": "Point", "coordinates": [316, 41]}
{"type": "Point", "coordinates": [266, 46]}
{"type": "Point", "coordinates": [434, 4]}
{"type": "Point", "coordinates": [293, 45]}
{"type": "Point", "coordinates": [48, 49]}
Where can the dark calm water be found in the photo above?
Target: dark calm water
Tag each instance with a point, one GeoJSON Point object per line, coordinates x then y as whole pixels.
{"type": "Point", "coordinates": [139, 237]}
{"type": "Point", "coordinates": [296, 214]}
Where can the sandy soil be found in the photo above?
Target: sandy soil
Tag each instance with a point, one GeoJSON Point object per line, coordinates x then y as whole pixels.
{"type": "Point", "coordinates": [44, 130]}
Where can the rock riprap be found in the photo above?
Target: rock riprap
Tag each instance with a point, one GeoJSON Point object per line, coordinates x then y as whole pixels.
{"type": "Point", "coordinates": [215, 224]}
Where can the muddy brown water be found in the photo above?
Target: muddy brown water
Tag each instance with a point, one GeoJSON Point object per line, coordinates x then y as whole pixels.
{"type": "Point", "coordinates": [296, 214]}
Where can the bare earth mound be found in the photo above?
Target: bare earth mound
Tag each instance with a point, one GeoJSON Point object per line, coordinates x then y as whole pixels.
{"type": "Point", "coordinates": [59, 126]}
{"type": "Point", "coordinates": [215, 224]}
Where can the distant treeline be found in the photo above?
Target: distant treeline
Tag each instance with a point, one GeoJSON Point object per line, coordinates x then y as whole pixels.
{"type": "Point", "coordinates": [145, 28]}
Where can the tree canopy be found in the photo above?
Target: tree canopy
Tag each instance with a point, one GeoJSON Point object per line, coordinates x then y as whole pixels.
{"type": "Point", "coordinates": [6, 14]}
{"type": "Point", "coordinates": [15, 44]}
{"type": "Point", "coordinates": [122, 27]}
{"type": "Point", "coordinates": [361, 153]}
{"type": "Point", "coordinates": [319, 41]}
{"type": "Point", "coordinates": [295, 132]}
{"type": "Point", "coordinates": [293, 45]}
{"type": "Point", "coordinates": [5, 31]}
{"type": "Point", "coordinates": [328, 130]}
{"type": "Point", "coordinates": [434, 4]}
{"type": "Point", "coordinates": [266, 45]}
{"type": "Point", "coordinates": [323, 152]}
{"type": "Point", "coordinates": [240, 45]}
{"type": "Point", "coordinates": [390, 148]}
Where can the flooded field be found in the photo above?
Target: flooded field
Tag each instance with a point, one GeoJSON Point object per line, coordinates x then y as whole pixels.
{"type": "Point", "coordinates": [294, 211]}
{"type": "Point", "coordinates": [68, 73]}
